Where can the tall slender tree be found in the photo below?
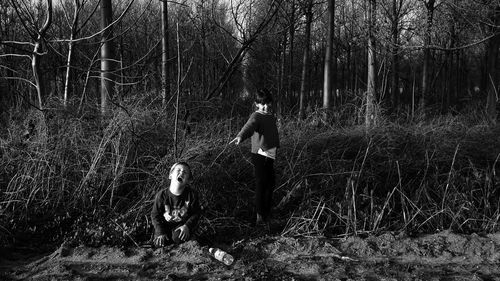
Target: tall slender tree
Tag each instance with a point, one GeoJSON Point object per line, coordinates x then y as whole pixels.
{"type": "Point", "coordinates": [74, 27]}
{"type": "Point", "coordinates": [429, 5]}
{"type": "Point", "coordinates": [304, 83]}
{"type": "Point", "coordinates": [107, 54]}
{"type": "Point", "coordinates": [371, 110]}
{"type": "Point", "coordinates": [38, 35]}
{"type": "Point", "coordinates": [291, 30]}
{"type": "Point", "coordinates": [35, 62]}
{"type": "Point", "coordinates": [165, 76]}
{"type": "Point", "coordinates": [328, 75]}
{"type": "Point", "coordinates": [203, 39]}
{"type": "Point", "coordinates": [492, 64]}
{"type": "Point", "coordinates": [397, 5]}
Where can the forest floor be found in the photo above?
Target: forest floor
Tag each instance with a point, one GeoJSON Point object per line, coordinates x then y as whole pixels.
{"type": "Point", "coordinates": [388, 256]}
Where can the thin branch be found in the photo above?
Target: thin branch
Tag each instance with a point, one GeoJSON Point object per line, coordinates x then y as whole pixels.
{"type": "Point", "coordinates": [435, 47]}
{"type": "Point", "coordinates": [9, 69]}
{"type": "Point", "coordinates": [100, 31]}
{"type": "Point", "coordinates": [19, 78]}
{"type": "Point", "coordinates": [17, 43]}
{"type": "Point", "coordinates": [15, 55]}
{"type": "Point", "coordinates": [89, 17]}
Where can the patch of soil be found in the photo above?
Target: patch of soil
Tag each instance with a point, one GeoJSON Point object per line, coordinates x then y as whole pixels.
{"type": "Point", "coordinates": [441, 256]}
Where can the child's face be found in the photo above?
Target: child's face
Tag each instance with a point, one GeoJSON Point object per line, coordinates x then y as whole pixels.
{"type": "Point", "coordinates": [263, 107]}
{"type": "Point", "coordinates": [180, 174]}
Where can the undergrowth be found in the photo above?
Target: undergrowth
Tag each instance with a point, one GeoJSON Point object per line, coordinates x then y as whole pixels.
{"type": "Point", "coordinates": [91, 179]}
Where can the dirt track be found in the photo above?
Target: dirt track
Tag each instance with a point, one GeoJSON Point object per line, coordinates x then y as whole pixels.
{"type": "Point", "coordinates": [442, 256]}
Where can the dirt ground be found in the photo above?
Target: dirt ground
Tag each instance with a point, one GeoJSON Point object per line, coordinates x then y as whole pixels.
{"type": "Point", "coordinates": [441, 256]}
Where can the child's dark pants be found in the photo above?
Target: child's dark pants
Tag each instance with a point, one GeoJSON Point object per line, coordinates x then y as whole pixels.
{"type": "Point", "coordinates": [265, 181]}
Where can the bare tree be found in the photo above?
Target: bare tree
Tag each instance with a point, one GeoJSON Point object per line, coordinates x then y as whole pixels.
{"type": "Point", "coordinates": [430, 6]}
{"type": "Point", "coordinates": [107, 54]}
{"type": "Point", "coordinates": [282, 68]}
{"type": "Point", "coordinates": [36, 57]}
{"type": "Point", "coordinates": [492, 64]}
{"type": "Point", "coordinates": [395, 11]}
{"type": "Point", "coordinates": [75, 29]}
{"type": "Point", "coordinates": [38, 36]}
{"type": "Point", "coordinates": [76, 13]}
{"type": "Point", "coordinates": [371, 110]}
{"type": "Point", "coordinates": [246, 28]}
{"type": "Point", "coordinates": [305, 59]}
{"type": "Point", "coordinates": [291, 24]}
{"type": "Point", "coordinates": [165, 77]}
{"type": "Point", "coordinates": [329, 76]}
{"type": "Point", "coordinates": [203, 40]}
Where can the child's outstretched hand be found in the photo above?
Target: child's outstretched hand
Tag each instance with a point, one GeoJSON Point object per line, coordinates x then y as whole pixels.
{"type": "Point", "coordinates": [236, 140]}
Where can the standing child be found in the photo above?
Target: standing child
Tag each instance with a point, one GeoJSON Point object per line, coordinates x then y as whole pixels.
{"type": "Point", "coordinates": [261, 127]}
{"type": "Point", "coordinates": [176, 209]}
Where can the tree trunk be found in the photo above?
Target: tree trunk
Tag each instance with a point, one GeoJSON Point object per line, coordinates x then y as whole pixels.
{"type": "Point", "coordinates": [177, 100]}
{"type": "Point", "coordinates": [107, 55]}
{"type": "Point", "coordinates": [394, 54]}
{"type": "Point", "coordinates": [68, 70]}
{"type": "Point", "coordinates": [245, 64]}
{"type": "Point", "coordinates": [427, 53]}
{"type": "Point", "coordinates": [204, 85]}
{"type": "Point", "coordinates": [348, 77]}
{"type": "Point", "coordinates": [329, 77]}
{"type": "Point", "coordinates": [491, 66]}
{"type": "Point", "coordinates": [71, 46]}
{"type": "Point", "coordinates": [353, 58]}
{"type": "Point", "coordinates": [448, 83]}
{"type": "Point", "coordinates": [165, 77]}
{"type": "Point", "coordinates": [292, 48]}
{"type": "Point", "coordinates": [282, 69]}
{"type": "Point", "coordinates": [304, 87]}
{"type": "Point", "coordinates": [36, 57]}
{"type": "Point", "coordinates": [122, 58]}
{"type": "Point", "coordinates": [371, 112]}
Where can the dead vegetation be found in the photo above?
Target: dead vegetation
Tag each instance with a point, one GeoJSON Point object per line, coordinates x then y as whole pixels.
{"type": "Point", "coordinates": [90, 180]}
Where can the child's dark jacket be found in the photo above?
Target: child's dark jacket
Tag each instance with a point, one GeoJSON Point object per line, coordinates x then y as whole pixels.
{"type": "Point", "coordinates": [262, 130]}
{"type": "Point", "coordinates": [170, 211]}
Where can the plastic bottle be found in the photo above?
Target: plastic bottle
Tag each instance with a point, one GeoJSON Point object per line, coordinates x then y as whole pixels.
{"type": "Point", "coordinates": [222, 256]}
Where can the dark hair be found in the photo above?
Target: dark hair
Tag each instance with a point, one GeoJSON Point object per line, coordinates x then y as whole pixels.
{"type": "Point", "coordinates": [263, 96]}
{"type": "Point", "coordinates": [183, 164]}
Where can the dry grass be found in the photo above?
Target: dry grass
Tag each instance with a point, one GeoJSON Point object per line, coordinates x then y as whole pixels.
{"type": "Point", "coordinates": [93, 179]}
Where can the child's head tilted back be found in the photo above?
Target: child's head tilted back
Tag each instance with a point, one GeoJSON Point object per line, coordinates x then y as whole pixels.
{"type": "Point", "coordinates": [181, 172]}
{"type": "Point", "coordinates": [263, 96]}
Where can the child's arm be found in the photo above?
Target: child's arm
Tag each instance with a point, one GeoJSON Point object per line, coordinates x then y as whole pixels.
{"type": "Point", "coordinates": [157, 215]}
{"type": "Point", "coordinates": [194, 212]}
{"type": "Point", "coordinates": [247, 130]}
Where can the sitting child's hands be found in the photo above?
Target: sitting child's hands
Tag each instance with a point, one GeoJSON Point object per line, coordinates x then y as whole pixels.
{"type": "Point", "coordinates": [160, 240]}
{"type": "Point", "coordinates": [183, 232]}
{"type": "Point", "coordinates": [167, 215]}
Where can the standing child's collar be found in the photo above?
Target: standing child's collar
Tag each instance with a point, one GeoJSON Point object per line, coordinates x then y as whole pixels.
{"type": "Point", "coordinates": [262, 112]}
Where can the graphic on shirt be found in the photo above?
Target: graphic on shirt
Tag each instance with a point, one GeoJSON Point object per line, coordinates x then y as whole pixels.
{"type": "Point", "coordinates": [176, 214]}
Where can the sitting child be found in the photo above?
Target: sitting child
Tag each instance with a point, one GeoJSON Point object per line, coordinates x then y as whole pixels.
{"type": "Point", "coordinates": [176, 209]}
